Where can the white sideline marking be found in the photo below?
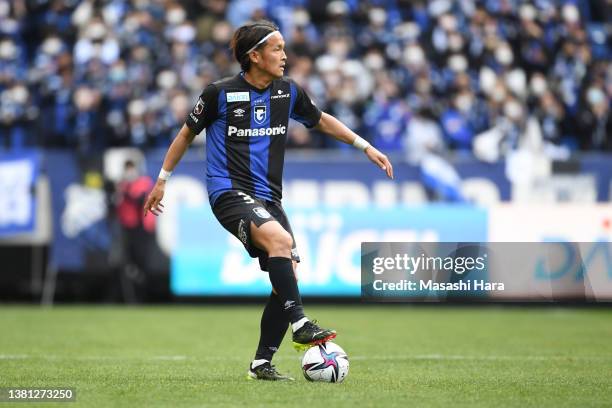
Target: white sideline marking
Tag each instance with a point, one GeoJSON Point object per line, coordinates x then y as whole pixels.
{"type": "Point", "coordinates": [477, 358]}
{"type": "Point", "coordinates": [13, 356]}
{"type": "Point", "coordinates": [90, 358]}
{"type": "Point", "coordinates": [297, 357]}
{"type": "Point", "coordinates": [170, 358]}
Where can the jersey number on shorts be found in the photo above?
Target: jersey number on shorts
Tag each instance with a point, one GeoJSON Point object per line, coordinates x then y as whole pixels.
{"type": "Point", "coordinates": [246, 197]}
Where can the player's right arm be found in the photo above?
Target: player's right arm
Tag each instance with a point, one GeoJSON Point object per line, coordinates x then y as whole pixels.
{"type": "Point", "coordinates": [204, 113]}
{"type": "Point", "coordinates": [174, 154]}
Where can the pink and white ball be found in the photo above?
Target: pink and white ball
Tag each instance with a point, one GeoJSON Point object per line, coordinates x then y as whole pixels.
{"type": "Point", "coordinates": [326, 362]}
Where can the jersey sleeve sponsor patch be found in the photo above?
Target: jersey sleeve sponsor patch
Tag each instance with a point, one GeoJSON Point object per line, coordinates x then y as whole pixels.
{"type": "Point", "coordinates": [199, 108]}
{"type": "Point", "coordinates": [205, 110]}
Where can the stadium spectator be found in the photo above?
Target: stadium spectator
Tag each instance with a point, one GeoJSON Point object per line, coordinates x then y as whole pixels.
{"type": "Point", "coordinates": [135, 233]}
{"type": "Point", "coordinates": [423, 135]}
{"type": "Point", "coordinates": [595, 121]}
{"type": "Point", "coordinates": [449, 55]}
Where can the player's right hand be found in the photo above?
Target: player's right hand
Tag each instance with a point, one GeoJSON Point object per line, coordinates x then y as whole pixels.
{"type": "Point", "coordinates": [153, 202]}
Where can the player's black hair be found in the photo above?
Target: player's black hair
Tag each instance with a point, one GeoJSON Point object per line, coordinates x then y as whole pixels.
{"type": "Point", "coordinates": [246, 37]}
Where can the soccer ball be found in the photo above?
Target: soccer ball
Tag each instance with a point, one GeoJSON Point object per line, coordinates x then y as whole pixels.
{"type": "Point", "coordinates": [326, 362]}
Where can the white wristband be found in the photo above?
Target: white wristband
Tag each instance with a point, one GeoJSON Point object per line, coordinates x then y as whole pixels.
{"type": "Point", "coordinates": [164, 175]}
{"type": "Point", "coordinates": [361, 143]}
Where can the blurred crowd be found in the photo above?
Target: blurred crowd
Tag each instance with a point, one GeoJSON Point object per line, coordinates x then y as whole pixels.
{"type": "Point", "coordinates": [411, 76]}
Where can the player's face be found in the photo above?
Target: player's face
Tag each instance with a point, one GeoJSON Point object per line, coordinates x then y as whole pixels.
{"type": "Point", "coordinates": [272, 56]}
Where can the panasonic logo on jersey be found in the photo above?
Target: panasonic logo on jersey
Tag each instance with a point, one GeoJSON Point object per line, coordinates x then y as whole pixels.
{"type": "Point", "coordinates": [270, 131]}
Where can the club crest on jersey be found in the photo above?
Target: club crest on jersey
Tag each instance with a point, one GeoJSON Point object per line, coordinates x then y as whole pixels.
{"type": "Point", "coordinates": [261, 212]}
{"type": "Point", "coordinates": [259, 113]}
{"type": "Point", "coordinates": [199, 107]}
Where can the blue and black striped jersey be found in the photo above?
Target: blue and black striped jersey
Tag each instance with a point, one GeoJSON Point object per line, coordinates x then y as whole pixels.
{"type": "Point", "coordinates": [246, 133]}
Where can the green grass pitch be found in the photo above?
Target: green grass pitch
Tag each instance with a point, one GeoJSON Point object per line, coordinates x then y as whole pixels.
{"type": "Point", "coordinates": [400, 356]}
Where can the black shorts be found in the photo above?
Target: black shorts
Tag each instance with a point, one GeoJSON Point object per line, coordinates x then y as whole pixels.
{"type": "Point", "coordinates": [235, 210]}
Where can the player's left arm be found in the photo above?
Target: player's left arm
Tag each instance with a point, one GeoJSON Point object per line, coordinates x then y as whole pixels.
{"type": "Point", "coordinates": [338, 130]}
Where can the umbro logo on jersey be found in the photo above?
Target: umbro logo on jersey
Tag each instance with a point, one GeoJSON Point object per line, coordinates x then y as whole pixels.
{"type": "Point", "coordinates": [259, 113]}
{"type": "Point", "coordinates": [239, 112]}
{"type": "Point", "coordinates": [238, 97]}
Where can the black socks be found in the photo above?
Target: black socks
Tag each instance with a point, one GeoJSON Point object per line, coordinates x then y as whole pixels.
{"type": "Point", "coordinates": [274, 323]}
{"type": "Point", "coordinates": [282, 308]}
{"type": "Point", "coordinates": [283, 281]}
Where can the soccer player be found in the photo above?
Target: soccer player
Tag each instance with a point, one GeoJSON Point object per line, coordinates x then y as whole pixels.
{"type": "Point", "coordinates": [246, 120]}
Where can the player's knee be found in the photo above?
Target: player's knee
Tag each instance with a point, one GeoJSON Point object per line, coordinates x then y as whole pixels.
{"type": "Point", "coordinates": [281, 243]}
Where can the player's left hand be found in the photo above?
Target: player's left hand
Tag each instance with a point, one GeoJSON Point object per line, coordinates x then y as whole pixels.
{"type": "Point", "coordinates": [380, 160]}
